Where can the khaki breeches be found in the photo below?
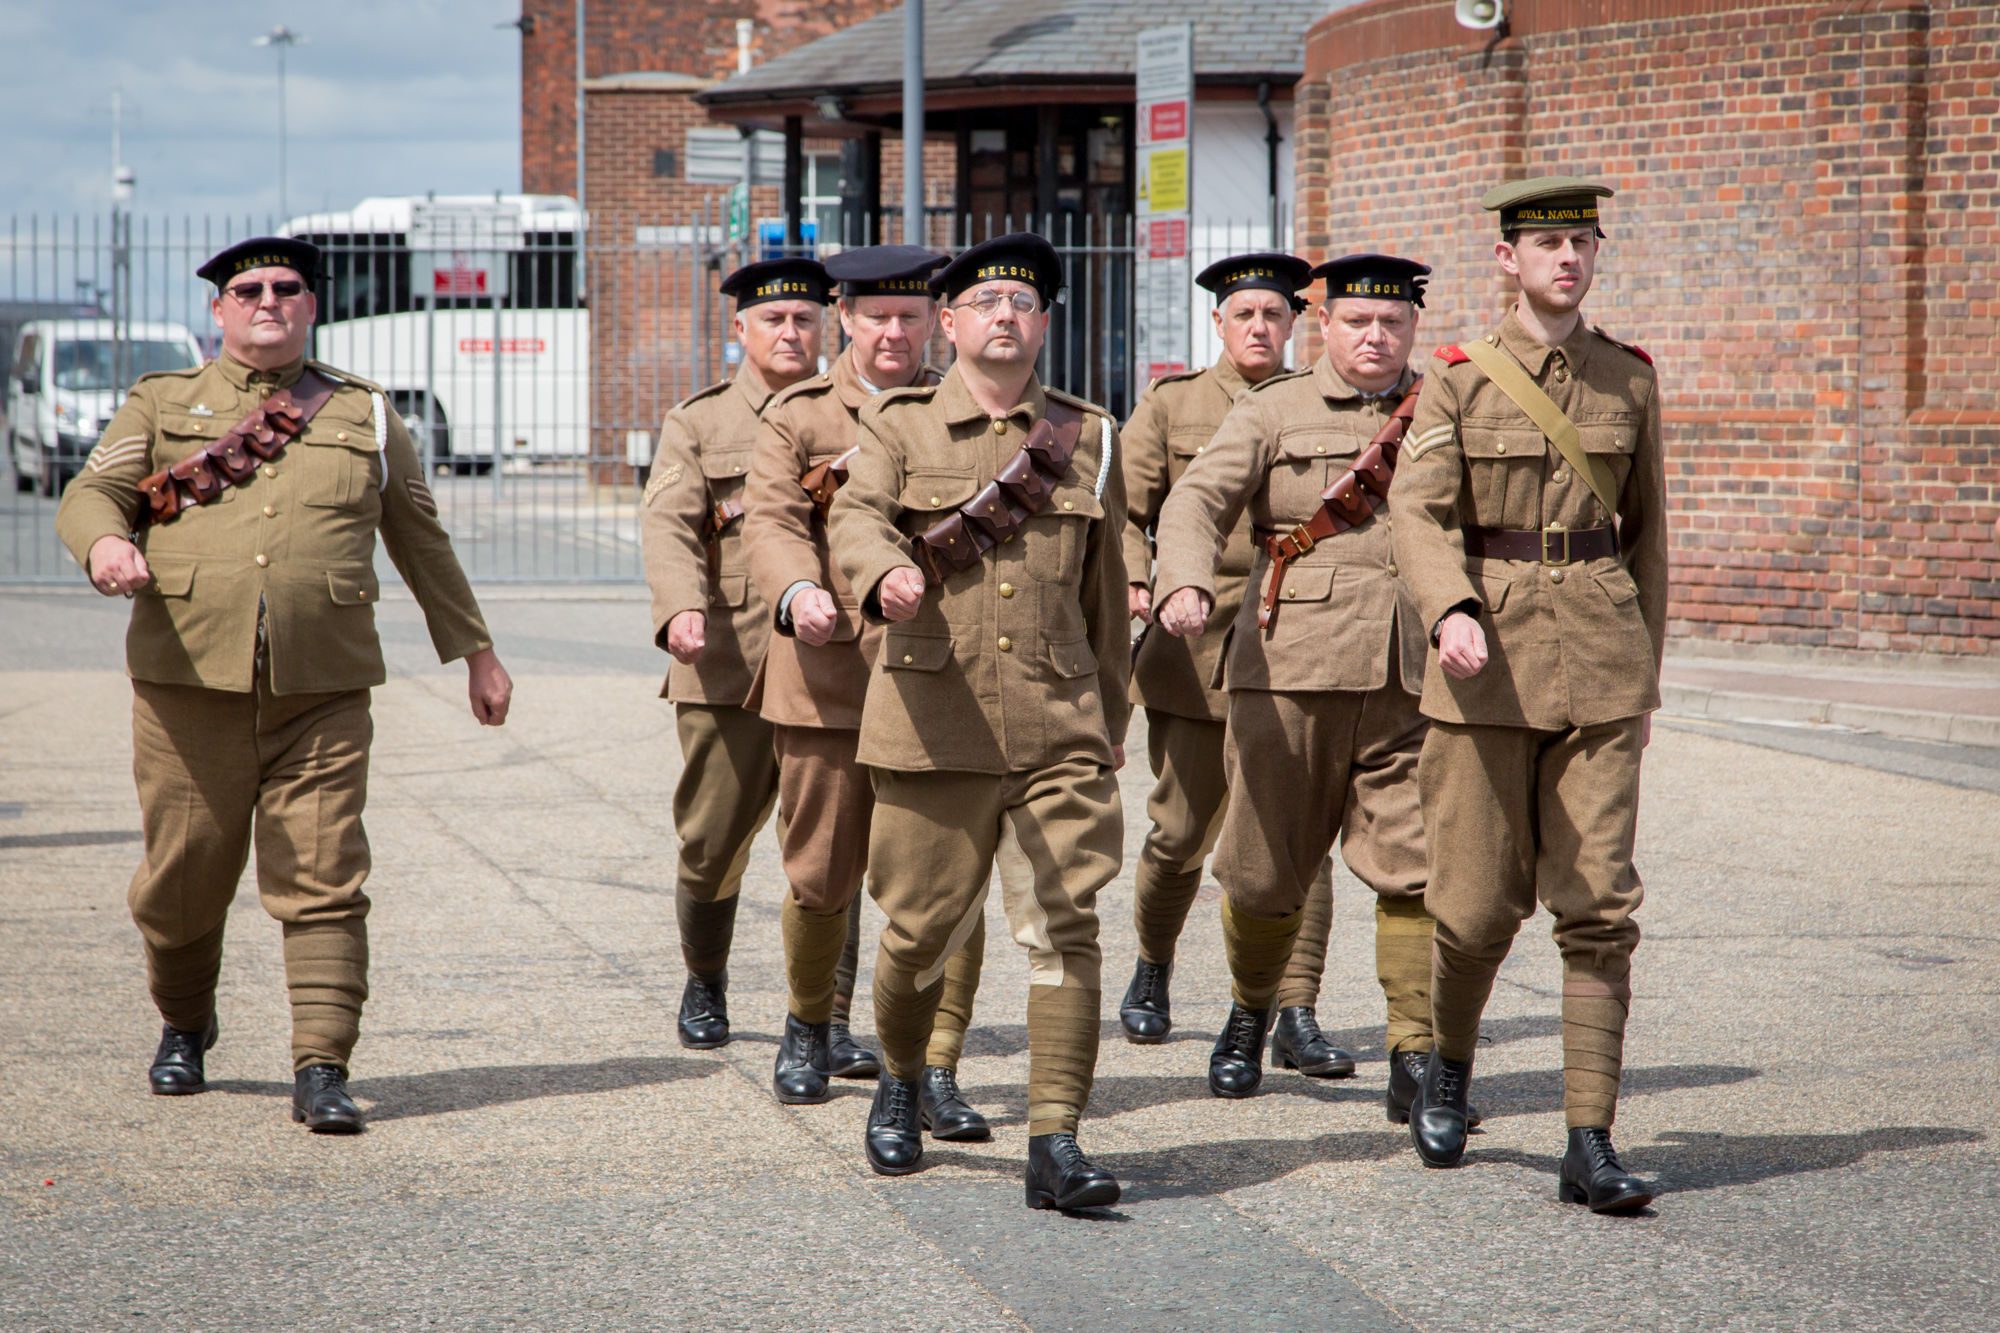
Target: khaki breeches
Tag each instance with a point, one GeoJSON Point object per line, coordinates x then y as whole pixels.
{"type": "Point", "coordinates": [729, 783]}
{"type": "Point", "coordinates": [1516, 816]}
{"type": "Point", "coordinates": [217, 771]}
{"type": "Point", "coordinates": [1057, 836]}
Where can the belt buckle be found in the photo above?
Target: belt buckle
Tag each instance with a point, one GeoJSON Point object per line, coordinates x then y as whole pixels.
{"type": "Point", "coordinates": [1555, 530]}
{"type": "Point", "coordinates": [1302, 539]}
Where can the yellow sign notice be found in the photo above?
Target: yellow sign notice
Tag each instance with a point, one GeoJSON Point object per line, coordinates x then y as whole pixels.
{"type": "Point", "coordinates": [1167, 183]}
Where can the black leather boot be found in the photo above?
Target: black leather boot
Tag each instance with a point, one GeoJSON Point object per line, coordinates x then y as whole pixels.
{"type": "Point", "coordinates": [320, 1101]}
{"type": "Point", "coordinates": [800, 1074]}
{"type": "Point", "coordinates": [945, 1112]}
{"type": "Point", "coordinates": [177, 1065]}
{"type": "Point", "coordinates": [1060, 1176]}
{"type": "Point", "coordinates": [1437, 1116]}
{"type": "Point", "coordinates": [1236, 1066]}
{"type": "Point", "coordinates": [1297, 1043]}
{"type": "Point", "coordinates": [847, 1059]}
{"type": "Point", "coordinates": [1591, 1175]}
{"type": "Point", "coordinates": [1146, 1013]}
{"type": "Point", "coordinates": [893, 1141]}
{"type": "Point", "coordinates": [1406, 1071]}
{"type": "Point", "coordinates": [704, 1018]}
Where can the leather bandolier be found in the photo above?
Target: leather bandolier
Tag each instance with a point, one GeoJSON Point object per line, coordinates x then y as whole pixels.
{"type": "Point", "coordinates": [201, 477]}
{"type": "Point", "coordinates": [720, 516]}
{"type": "Point", "coordinates": [1348, 503]}
{"type": "Point", "coordinates": [1022, 488]}
{"type": "Point", "coordinates": [822, 483]}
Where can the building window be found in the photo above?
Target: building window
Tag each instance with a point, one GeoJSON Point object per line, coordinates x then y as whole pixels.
{"type": "Point", "coordinates": [663, 162]}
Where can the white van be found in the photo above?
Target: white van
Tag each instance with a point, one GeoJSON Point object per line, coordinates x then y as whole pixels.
{"type": "Point", "coordinates": [68, 377]}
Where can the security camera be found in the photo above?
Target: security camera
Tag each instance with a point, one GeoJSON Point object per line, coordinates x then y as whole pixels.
{"type": "Point", "coordinates": [1479, 13]}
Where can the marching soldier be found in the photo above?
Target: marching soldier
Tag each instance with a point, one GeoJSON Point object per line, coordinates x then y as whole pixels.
{"type": "Point", "coordinates": [1531, 508]}
{"type": "Point", "coordinates": [707, 614]}
{"type": "Point", "coordinates": [1186, 711]}
{"type": "Point", "coordinates": [1322, 668]}
{"type": "Point", "coordinates": [815, 675]}
{"type": "Point", "coordinates": [238, 504]}
{"type": "Point", "coordinates": [996, 708]}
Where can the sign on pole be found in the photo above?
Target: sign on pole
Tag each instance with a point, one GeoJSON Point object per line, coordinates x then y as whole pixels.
{"type": "Point", "coordinates": [1166, 147]}
{"type": "Point", "coordinates": [461, 247]}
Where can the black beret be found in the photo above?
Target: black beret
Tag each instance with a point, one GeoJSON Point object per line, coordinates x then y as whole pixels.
{"type": "Point", "coordinates": [302, 257]}
{"type": "Point", "coordinates": [884, 270]}
{"type": "Point", "coordinates": [1382, 276]}
{"type": "Point", "coordinates": [1020, 256]}
{"type": "Point", "coordinates": [778, 280]}
{"type": "Point", "coordinates": [1263, 271]}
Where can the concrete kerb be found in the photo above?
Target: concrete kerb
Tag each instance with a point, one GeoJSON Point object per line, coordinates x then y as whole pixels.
{"type": "Point", "coordinates": [1914, 723]}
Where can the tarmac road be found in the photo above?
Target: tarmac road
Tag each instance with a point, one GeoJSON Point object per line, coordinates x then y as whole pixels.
{"type": "Point", "coordinates": [1809, 1077]}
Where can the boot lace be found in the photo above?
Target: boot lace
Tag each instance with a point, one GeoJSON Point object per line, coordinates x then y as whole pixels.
{"type": "Point", "coordinates": [944, 1083]}
{"type": "Point", "coordinates": [1451, 1082]}
{"type": "Point", "coordinates": [1146, 982]}
{"type": "Point", "coordinates": [1307, 1025]}
{"type": "Point", "coordinates": [1242, 1028]}
{"type": "Point", "coordinates": [1597, 1142]}
{"type": "Point", "coordinates": [1064, 1152]}
{"type": "Point", "coordinates": [897, 1109]}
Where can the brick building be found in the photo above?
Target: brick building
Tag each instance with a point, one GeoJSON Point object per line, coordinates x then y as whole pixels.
{"type": "Point", "coordinates": [1806, 238]}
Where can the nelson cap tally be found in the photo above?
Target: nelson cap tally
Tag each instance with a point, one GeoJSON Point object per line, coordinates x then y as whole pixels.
{"type": "Point", "coordinates": [1547, 201]}
{"type": "Point", "coordinates": [885, 270]}
{"type": "Point", "coordinates": [778, 280]}
{"type": "Point", "coordinates": [1019, 256]}
{"type": "Point", "coordinates": [1383, 277]}
{"type": "Point", "coordinates": [302, 257]}
{"type": "Point", "coordinates": [1264, 271]}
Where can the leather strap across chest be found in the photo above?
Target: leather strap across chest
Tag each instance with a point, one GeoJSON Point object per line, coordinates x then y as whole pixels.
{"type": "Point", "coordinates": [202, 476]}
{"type": "Point", "coordinates": [1022, 488]}
{"type": "Point", "coordinates": [1348, 503]}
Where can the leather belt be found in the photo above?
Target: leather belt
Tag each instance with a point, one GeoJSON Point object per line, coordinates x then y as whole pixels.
{"type": "Point", "coordinates": [232, 460]}
{"type": "Point", "coordinates": [721, 517]}
{"type": "Point", "coordinates": [824, 482]}
{"type": "Point", "coordinates": [1553, 545]}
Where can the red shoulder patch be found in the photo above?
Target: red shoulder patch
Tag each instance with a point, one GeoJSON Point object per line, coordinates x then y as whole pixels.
{"type": "Point", "coordinates": [1450, 355]}
{"type": "Point", "coordinates": [1633, 348]}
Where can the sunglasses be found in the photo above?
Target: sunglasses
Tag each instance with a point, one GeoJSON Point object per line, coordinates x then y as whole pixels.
{"type": "Point", "coordinates": [252, 293]}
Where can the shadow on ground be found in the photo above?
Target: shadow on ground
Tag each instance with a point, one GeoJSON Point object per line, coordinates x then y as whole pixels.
{"type": "Point", "coordinates": [403, 1096]}
{"type": "Point", "coordinates": [1691, 1161]}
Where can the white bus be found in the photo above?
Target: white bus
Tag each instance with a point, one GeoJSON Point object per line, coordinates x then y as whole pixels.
{"type": "Point", "coordinates": [467, 310]}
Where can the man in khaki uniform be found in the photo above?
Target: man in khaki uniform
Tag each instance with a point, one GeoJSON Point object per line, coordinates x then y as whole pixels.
{"type": "Point", "coordinates": [252, 649]}
{"type": "Point", "coordinates": [1532, 527]}
{"type": "Point", "coordinates": [1323, 662]}
{"type": "Point", "coordinates": [815, 675]}
{"type": "Point", "coordinates": [1178, 680]}
{"type": "Point", "coordinates": [707, 614]}
{"type": "Point", "coordinates": [996, 708]}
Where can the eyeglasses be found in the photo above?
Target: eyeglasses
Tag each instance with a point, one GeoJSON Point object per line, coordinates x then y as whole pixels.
{"type": "Point", "coordinates": [252, 293]}
{"type": "Point", "coordinates": [987, 302]}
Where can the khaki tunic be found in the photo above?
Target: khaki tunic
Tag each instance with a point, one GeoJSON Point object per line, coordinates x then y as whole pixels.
{"type": "Point", "coordinates": [706, 443]}
{"type": "Point", "coordinates": [1568, 646]}
{"type": "Point", "coordinates": [297, 539]}
{"type": "Point", "coordinates": [1174, 421]}
{"type": "Point", "coordinates": [1282, 445]}
{"type": "Point", "coordinates": [1022, 660]}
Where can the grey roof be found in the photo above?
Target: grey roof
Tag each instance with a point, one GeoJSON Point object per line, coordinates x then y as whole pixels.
{"type": "Point", "coordinates": [984, 41]}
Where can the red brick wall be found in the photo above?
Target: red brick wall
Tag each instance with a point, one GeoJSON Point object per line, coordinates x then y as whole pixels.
{"type": "Point", "coordinates": [1806, 238]}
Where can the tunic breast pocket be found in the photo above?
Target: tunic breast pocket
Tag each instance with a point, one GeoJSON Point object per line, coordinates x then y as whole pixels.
{"type": "Point", "coordinates": [1503, 463]}
{"type": "Point", "coordinates": [1308, 459]}
{"type": "Point", "coordinates": [1183, 444]}
{"type": "Point", "coordinates": [333, 476]}
{"type": "Point", "coordinates": [1053, 540]}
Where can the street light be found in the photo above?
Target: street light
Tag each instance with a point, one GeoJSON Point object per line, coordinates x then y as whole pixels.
{"type": "Point", "coordinates": [281, 37]}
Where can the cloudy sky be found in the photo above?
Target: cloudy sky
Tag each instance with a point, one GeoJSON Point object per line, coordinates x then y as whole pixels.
{"type": "Point", "coordinates": [386, 97]}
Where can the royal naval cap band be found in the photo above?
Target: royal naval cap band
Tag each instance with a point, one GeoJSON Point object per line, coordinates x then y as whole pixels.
{"type": "Point", "coordinates": [884, 270]}
{"type": "Point", "coordinates": [1546, 201]}
{"type": "Point", "coordinates": [1269, 272]}
{"type": "Point", "coordinates": [1019, 256]}
{"type": "Point", "coordinates": [778, 280]}
{"type": "Point", "coordinates": [302, 257]}
{"type": "Point", "coordinates": [1381, 277]}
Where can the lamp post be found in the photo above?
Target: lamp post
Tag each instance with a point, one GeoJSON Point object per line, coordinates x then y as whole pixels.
{"type": "Point", "coordinates": [282, 38]}
{"type": "Point", "coordinates": [913, 122]}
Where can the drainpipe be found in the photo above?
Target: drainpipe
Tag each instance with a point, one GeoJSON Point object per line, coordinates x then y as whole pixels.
{"type": "Point", "coordinates": [1271, 141]}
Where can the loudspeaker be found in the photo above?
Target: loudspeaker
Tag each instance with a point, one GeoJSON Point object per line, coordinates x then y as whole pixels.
{"type": "Point", "coordinates": [1479, 13]}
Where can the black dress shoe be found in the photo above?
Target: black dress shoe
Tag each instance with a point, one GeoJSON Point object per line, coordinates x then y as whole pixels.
{"type": "Point", "coordinates": [1297, 1043]}
{"type": "Point", "coordinates": [1438, 1115]}
{"type": "Point", "coordinates": [800, 1074]}
{"type": "Point", "coordinates": [1060, 1176]}
{"type": "Point", "coordinates": [320, 1101]}
{"type": "Point", "coordinates": [1406, 1071]}
{"type": "Point", "coordinates": [945, 1113]}
{"type": "Point", "coordinates": [894, 1143]}
{"type": "Point", "coordinates": [704, 1019]}
{"type": "Point", "coordinates": [845, 1058]}
{"type": "Point", "coordinates": [1236, 1066]}
{"type": "Point", "coordinates": [1146, 1013]}
{"type": "Point", "coordinates": [177, 1064]}
{"type": "Point", "coordinates": [1591, 1175]}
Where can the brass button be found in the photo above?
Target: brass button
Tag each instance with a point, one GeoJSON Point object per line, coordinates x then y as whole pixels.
{"type": "Point", "coordinates": [1319, 448]}
{"type": "Point", "coordinates": [935, 500]}
{"type": "Point", "coordinates": [1559, 477]}
{"type": "Point", "coordinates": [1392, 567]}
{"type": "Point", "coordinates": [1006, 590]}
{"type": "Point", "coordinates": [1499, 448]}
{"type": "Point", "coordinates": [361, 593]}
{"type": "Point", "coordinates": [1068, 504]}
{"type": "Point", "coordinates": [1006, 644]}
{"type": "Point", "coordinates": [1555, 576]}
{"type": "Point", "coordinates": [1562, 373]}
{"type": "Point", "coordinates": [737, 468]}
{"type": "Point", "coordinates": [269, 512]}
{"type": "Point", "coordinates": [1199, 447]}
{"type": "Point", "coordinates": [999, 426]}
{"type": "Point", "coordinates": [270, 471]}
{"type": "Point", "coordinates": [263, 559]}
{"type": "Point", "coordinates": [340, 435]}
{"type": "Point", "coordinates": [907, 659]}
{"type": "Point", "coordinates": [1291, 592]}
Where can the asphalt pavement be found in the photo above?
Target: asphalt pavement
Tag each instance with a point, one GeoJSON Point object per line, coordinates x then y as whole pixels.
{"type": "Point", "coordinates": [1809, 1074]}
